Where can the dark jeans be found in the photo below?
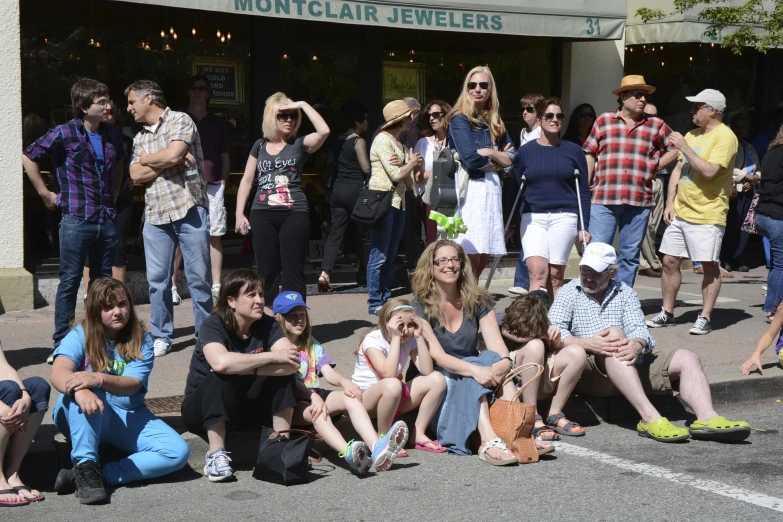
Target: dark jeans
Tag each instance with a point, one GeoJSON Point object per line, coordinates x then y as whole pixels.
{"type": "Point", "coordinates": [772, 229]}
{"type": "Point", "coordinates": [343, 199]}
{"type": "Point", "coordinates": [384, 241]}
{"type": "Point", "coordinates": [82, 243]}
{"type": "Point", "coordinates": [735, 240]}
{"type": "Point", "coordinates": [243, 401]}
{"type": "Point", "coordinates": [280, 240]}
{"type": "Point", "coordinates": [413, 244]}
{"type": "Point", "coordinates": [122, 222]}
{"type": "Point", "coordinates": [39, 389]}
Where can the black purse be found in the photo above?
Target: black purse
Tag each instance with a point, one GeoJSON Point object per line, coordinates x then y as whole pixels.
{"type": "Point", "coordinates": [284, 461]}
{"type": "Point", "coordinates": [372, 205]}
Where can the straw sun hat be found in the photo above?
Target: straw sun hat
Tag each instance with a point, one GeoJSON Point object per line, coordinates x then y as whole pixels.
{"type": "Point", "coordinates": [395, 111]}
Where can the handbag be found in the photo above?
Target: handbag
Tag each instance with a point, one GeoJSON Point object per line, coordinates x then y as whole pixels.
{"type": "Point", "coordinates": [372, 205]}
{"type": "Point", "coordinates": [513, 421]}
{"type": "Point", "coordinates": [284, 461]}
{"type": "Point", "coordinates": [749, 225]}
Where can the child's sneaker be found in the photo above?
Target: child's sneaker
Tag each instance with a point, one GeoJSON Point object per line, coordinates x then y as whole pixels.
{"type": "Point", "coordinates": [662, 319]}
{"type": "Point", "coordinates": [217, 467]}
{"type": "Point", "coordinates": [385, 449]}
{"type": "Point", "coordinates": [357, 455]}
{"type": "Point", "coordinates": [175, 297]}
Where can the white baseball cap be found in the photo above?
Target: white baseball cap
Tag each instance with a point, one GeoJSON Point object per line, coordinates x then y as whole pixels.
{"type": "Point", "coordinates": [711, 97]}
{"type": "Point", "coordinates": [598, 256]}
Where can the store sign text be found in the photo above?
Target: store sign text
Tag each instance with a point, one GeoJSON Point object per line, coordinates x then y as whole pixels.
{"type": "Point", "coordinates": [384, 15]}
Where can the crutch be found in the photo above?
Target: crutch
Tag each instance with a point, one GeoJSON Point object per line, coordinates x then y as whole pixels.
{"type": "Point", "coordinates": [496, 259]}
{"type": "Point", "coordinates": [581, 215]}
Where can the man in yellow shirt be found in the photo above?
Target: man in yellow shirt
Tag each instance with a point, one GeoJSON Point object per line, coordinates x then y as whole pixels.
{"type": "Point", "coordinates": [697, 205]}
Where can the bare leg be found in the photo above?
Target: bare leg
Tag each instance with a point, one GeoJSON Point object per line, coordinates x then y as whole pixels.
{"type": "Point", "coordinates": [569, 364]}
{"type": "Point", "coordinates": [118, 273]}
{"type": "Point", "coordinates": [694, 386]}
{"type": "Point", "coordinates": [671, 278]}
{"type": "Point", "coordinates": [216, 255]}
{"type": "Point", "coordinates": [427, 393]}
{"type": "Point", "coordinates": [381, 401]}
{"type": "Point", "coordinates": [532, 352]}
{"type": "Point", "coordinates": [17, 449]}
{"type": "Point", "coordinates": [478, 262]}
{"type": "Point", "coordinates": [360, 419]}
{"type": "Point", "coordinates": [282, 420]}
{"type": "Point", "coordinates": [487, 433]}
{"type": "Point", "coordinates": [710, 287]}
{"type": "Point", "coordinates": [4, 438]}
{"type": "Point", "coordinates": [216, 434]}
{"type": "Point", "coordinates": [86, 278]}
{"type": "Point", "coordinates": [324, 426]}
{"type": "Point", "coordinates": [177, 265]}
{"type": "Point", "coordinates": [325, 274]}
{"type": "Point", "coordinates": [556, 275]}
{"type": "Point", "coordinates": [538, 267]}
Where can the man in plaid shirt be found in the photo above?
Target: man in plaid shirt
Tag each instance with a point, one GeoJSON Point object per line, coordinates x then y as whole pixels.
{"type": "Point", "coordinates": [604, 317]}
{"type": "Point", "coordinates": [625, 149]}
{"type": "Point", "coordinates": [167, 159]}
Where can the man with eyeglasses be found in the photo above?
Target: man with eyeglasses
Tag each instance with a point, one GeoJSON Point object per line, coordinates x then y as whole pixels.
{"type": "Point", "coordinates": [86, 153]}
{"type": "Point", "coordinates": [697, 204]}
{"type": "Point", "coordinates": [625, 149]}
{"type": "Point", "coordinates": [604, 317]}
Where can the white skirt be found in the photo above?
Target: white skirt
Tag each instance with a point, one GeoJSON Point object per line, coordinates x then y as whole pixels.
{"type": "Point", "coordinates": [482, 212]}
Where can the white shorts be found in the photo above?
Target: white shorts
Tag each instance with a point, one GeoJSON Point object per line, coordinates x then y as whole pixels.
{"type": "Point", "coordinates": [699, 242]}
{"type": "Point", "coordinates": [549, 235]}
{"type": "Point", "coordinates": [217, 209]}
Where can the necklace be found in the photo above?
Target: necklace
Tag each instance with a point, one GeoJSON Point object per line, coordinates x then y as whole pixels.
{"type": "Point", "coordinates": [439, 144]}
{"type": "Point", "coordinates": [279, 148]}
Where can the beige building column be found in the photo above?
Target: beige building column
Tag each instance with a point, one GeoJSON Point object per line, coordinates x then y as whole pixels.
{"type": "Point", "coordinates": [16, 284]}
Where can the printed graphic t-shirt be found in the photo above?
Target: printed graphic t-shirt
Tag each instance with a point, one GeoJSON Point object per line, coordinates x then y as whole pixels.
{"type": "Point", "coordinates": [72, 347]}
{"type": "Point", "coordinates": [311, 363]}
{"type": "Point", "coordinates": [700, 200]}
{"type": "Point", "coordinates": [279, 177]}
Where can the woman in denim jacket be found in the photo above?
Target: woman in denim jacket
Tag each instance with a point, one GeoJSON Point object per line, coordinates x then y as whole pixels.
{"type": "Point", "coordinates": [478, 134]}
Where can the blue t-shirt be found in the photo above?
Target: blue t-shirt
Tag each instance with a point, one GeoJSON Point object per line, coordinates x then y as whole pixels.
{"type": "Point", "coordinates": [72, 347]}
{"type": "Point", "coordinates": [97, 144]}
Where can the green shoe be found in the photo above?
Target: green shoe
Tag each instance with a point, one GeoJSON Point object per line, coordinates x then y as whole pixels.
{"type": "Point", "coordinates": [780, 357]}
{"type": "Point", "coordinates": [662, 430]}
{"type": "Point", "coordinates": [720, 429]}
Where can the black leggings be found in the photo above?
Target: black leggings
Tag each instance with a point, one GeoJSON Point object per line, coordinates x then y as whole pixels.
{"type": "Point", "coordinates": [343, 200]}
{"type": "Point", "coordinates": [280, 239]}
{"type": "Point", "coordinates": [243, 401]}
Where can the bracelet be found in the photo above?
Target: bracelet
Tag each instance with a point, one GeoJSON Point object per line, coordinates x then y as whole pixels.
{"type": "Point", "coordinates": [100, 386]}
{"type": "Point", "coordinates": [509, 359]}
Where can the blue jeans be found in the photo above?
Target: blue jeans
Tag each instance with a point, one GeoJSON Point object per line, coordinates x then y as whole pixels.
{"type": "Point", "coordinates": [37, 387]}
{"type": "Point", "coordinates": [82, 243]}
{"type": "Point", "coordinates": [772, 229]}
{"type": "Point", "coordinates": [521, 274]}
{"type": "Point", "coordinates": [155, 448]}
{"type": "Point", "coordinates": [604, 220]}
{"type": "Point", "coordinates": [160, 242]}
{"type": "Point", "coordinates": [384, 241]}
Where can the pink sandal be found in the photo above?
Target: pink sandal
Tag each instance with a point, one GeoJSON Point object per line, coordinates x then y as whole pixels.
{"type": "Point", "coordinates": [433, 446]}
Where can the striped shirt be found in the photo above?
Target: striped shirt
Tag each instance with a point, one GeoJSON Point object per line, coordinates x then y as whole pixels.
{"type": "Point", "coordinates": [627, 158]}
{"type": "Point", "coordinates": [177, 189]}
{"type": "Point", "coordinates": [86, 188]}
{"type": "Point", "coordinates": [578, 314]}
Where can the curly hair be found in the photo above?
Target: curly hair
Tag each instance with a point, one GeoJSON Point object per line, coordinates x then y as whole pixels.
{"type": "Point", "coordinates": [527, 317]}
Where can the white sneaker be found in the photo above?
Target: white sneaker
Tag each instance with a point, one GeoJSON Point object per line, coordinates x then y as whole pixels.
{"type": "Point", "coordinates": [215, 291]}
{"type": "Point", "coordinates": [175, 298]}
{"type": "Point", "coordinates": [517, 290]}
{"type": "Point", "coordinates": [161, 347]}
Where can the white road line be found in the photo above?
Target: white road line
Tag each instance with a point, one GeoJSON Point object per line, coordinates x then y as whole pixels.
{"type": "Point", "coordinates": [692, 301]}
{"type": "Point", "coordinates": [745, 495]}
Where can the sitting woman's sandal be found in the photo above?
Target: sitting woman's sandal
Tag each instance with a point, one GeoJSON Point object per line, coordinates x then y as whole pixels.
{"type": "Point", "coordinates": [544, 432]}
{"type": "Point", "coordinates": [499, 444]}
{"type": "Point", "coordinates": [569, 428]}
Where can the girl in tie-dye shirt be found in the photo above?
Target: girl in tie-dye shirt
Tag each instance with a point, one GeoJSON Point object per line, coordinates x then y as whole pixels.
{"type": "Point", "coordinates": [316, 404]}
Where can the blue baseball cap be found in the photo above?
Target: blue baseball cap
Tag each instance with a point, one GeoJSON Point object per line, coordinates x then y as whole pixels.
{"type": "Point", "coordinates": [287, 301]}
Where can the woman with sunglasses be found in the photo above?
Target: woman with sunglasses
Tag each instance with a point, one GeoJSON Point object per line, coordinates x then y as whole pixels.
{"type": "Point", "coordinates": [478, 134]}
{"type": "Point", "coordinates": [279, 216]}
{"type": "Point", "coordinates": [549, 212]}
{"type": "Point", "coordinates": [432, 126]}
{"type": "Point", "coordinates": [580, 124]}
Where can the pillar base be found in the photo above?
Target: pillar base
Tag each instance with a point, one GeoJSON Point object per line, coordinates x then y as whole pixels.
{"type": "Point", "coordinates": [16, 290]}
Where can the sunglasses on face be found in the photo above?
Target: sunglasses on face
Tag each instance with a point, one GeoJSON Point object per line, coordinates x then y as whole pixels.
{"type": "Point", "coordinates": [529, 110]}
{"type": "Point", "coordinates": [587, 115]}
{"type": "Point", "coordinates": [435, 115]}
{"type": "Point", "coordinates": [285, 116]}
{"type": "Point", "coordinates": [551, 116]}
{"type": "Point", "coordinates": [446, 261]}
{"type": "Point", "coordinates": [638, 95]}
{"type": "Point", "coordinates": [200, 88]}
{"type": "Point", "coordinates": [472, 85]}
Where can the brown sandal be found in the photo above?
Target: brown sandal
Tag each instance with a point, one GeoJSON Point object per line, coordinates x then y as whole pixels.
{"type": "Point", "coordinates": [323, 285]}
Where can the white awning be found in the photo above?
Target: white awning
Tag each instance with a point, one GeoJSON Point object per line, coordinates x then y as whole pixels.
{"type": "Point", "coordinates": [598, 19]}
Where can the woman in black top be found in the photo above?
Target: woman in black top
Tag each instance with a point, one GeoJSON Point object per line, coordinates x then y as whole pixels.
{"type": "Point", "coordinates": [769, 217]}
{"type": "Point", "coordinates": [353, 167]}
{"type": "Point", "coordinates": [580, 123]}
{"type": "Point", "coordinates": [280, 214]}
{"type": "Point", "coordinates": [241, 372]}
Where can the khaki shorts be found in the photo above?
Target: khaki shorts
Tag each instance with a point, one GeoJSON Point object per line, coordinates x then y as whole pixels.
{"type": "Point", "coordinates": [217, 209]}
{"type": "Point", "coordinates": [698, 242]}
{"type": "Point", "coordinates": [547, 383]}
{"type": "Point", "coordinates": [654, 375]}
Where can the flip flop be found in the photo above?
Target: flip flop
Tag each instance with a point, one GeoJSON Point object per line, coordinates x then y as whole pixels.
{"type": "Point", "coordinates": [12, 504]}
{"type": "Point", "coordinates": [402, 453]}
{"type": "Point", "coordinates": [662, 430]}
{"type": "Point", "coordinates": [39, 498]}
{"type": "Point", "coordinates": [497, 442]}
{"type": "Point", "coordinates": [433, 446]}
{"type": "Point", "coordinates": [720, 429]}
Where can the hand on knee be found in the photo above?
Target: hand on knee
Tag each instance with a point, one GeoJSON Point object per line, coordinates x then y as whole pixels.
{"type": "Point", "coordinates": [615, 331]}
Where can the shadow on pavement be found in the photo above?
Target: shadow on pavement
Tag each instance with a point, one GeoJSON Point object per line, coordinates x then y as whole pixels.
{"type": "Point", "coordinates": [26, 356]}
{"type": "Point", "coordinates": [336, 331]}
{"type": "Point", "coordinates": [721, 317]}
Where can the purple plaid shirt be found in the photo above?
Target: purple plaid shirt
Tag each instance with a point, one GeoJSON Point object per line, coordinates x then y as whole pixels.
{"type": "Point", "coordinates": [85, 191]}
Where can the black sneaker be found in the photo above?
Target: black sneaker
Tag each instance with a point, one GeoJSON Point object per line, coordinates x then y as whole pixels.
{"type": "Point", "coordinates": [90, 483]}
{"type": "Point", "coordinates": [65, 483]}
{"type": "Point", "coordinates": [662, 319]}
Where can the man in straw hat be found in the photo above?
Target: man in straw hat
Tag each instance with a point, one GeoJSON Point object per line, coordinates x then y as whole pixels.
{"type": "Point", "coordinates": [625, 149]}
{"type": "Point", "coordinates": [604, 317]}
{"type": "Point", "coordinates": [697, 205]}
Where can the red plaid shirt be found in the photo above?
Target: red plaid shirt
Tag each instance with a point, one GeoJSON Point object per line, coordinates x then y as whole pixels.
{"type": "Point", "coordinates": [627, 159]}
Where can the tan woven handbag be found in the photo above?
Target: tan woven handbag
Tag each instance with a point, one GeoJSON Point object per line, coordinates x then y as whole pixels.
{"type": "Point", "coordinates": [513, 421]}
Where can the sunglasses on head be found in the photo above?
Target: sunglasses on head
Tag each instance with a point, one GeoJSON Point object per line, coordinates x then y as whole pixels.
{"type": "Point", "coordinates": [285, 116]}
{"type": "Point", "coordinates": [587, 115]}
{"type": "Point", "coordinates": [435, 115]}
{"type": "Point", "coordinates": [530, 109]}
{"type": "Point", "coordinates": [551, 116]}
{"type": "Point", "coordinates": [472, 85]}
{"type": "Point", "coordinates": [198, 88]}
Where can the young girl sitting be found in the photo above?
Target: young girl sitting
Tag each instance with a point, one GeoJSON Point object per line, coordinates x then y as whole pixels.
{"type": "Point", "coordinates": [102, 368]}
{"type": "Point", "coordinates": [380, 359]}
{"type": "Point", "coordinates": [316, 405]}
{"type": "Point", "coordinates": [775, 329]}
{"type": "Point", "coordinates": [530, 339]}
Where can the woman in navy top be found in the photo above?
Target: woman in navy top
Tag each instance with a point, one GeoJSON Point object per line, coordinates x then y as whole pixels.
{"type": "Point", "coordinates": [550, 209]}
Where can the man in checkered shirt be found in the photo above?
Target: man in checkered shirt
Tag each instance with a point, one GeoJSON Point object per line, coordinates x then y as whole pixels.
{"type": "Point", "coordinates": [625, 149]}
{"type": "Point", "coordinates": [167, 160]}
{"type": "Point", "coordinates": [604, 317]}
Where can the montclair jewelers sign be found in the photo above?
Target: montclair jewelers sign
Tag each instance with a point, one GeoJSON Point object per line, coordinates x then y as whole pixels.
{"type": "Point", "coordinates": [225, 77]}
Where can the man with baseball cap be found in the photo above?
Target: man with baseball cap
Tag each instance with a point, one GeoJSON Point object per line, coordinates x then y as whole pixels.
{"type": "Point", "coordinates": [625, 148]}
{"type": "Point", "coordinates": [697, 205]}
{"type": "Point", "coordinates": [604, 317]}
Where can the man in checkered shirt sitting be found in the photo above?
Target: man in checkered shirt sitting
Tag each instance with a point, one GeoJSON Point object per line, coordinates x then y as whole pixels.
{"type": "Point", "coordinates": [604, 316]}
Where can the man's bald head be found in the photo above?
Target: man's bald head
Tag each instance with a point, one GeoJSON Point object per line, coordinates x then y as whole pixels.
{"type": "Point", "coordinates": [651, 110]}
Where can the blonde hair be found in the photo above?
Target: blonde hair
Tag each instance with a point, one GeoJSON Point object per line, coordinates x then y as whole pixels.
{"type": "Point", "coordinates": [491, 112]}
{"type": "Point", "coordinates": [305, 342]}
{"type": "Point", "coordinates": [425, 288]}
{"type": "Point", "coordinates": [269, 123]}
{"type": "Point", "coordinates": [384, 316]}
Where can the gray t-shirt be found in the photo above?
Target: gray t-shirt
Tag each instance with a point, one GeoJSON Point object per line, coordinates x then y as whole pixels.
{"type": "Point", "coordinates": [279, 177]}
{"type": "Point", "coordinates": [464, 342]}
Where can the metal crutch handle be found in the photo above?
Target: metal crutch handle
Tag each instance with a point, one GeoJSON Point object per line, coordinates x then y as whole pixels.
{"type": "Point", "coordinates": [579, 202]}
{"type": "Point", "coordinates": [496, 259]}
